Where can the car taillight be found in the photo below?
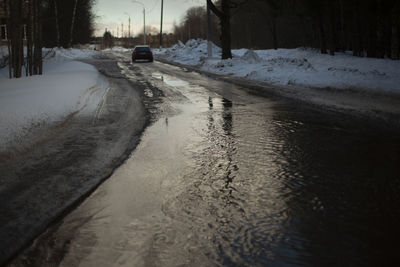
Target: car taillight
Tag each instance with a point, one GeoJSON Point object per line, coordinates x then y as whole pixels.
{"type": "Point", "coordinates": [150, 53]}
{"type": "Point", "coordinates": [135, 53]}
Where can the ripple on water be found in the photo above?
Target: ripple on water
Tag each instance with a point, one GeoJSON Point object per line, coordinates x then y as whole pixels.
{"type": "Point", "coordinates": [237, 191]}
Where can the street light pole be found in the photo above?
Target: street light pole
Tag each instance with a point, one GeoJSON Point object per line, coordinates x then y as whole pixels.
{"type": "Point", "coordinates": [161, 36]}
{"type": "Point", "coordinates": [129, 24]}
{"type": "Point", "coordinates": [129, 28]}
{"type": "Point", "coordinates": [144, 25]}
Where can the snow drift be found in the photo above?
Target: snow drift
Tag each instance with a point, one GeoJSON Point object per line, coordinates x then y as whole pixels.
{"type": "Point", "coordinates": [66, 87]}
{"type": "Point", "coordinates": [299, 67]}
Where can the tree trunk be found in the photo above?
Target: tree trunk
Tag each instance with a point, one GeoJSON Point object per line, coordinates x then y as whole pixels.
{"type": "Point", "coordinates": [332, 26]}
{"type": "Point", "coordinates": [356, 31]}
{"type": "Point", "coordinates": [273, 29]}
{"type": "Point", "coordinates": [224, 17]}
{"type": "Point", "coordinates": [226, 30]}
{"type": "Point", "coordinates": [37, 39]}
{"type": "Point", "coordinates": [343, 37]}
{"type": "Point", "coordinates": [397, 35]}
{"type": "Point", "coordinates": [16, 52]}
{"type": "Point", "coordinates": [72, 24]}
{"type": "Point", "coordinates": [29, 42]}
{"type": "Point", "coordinates": [35, 32]}
{"type": "Point", "coordinates": [396, 31]}
{"type": "Point", "coordinates": [10, 59]}
{"type": "Point", "coordinates": [38, 43]}
{"type": "Point", "coordinates": [388, 36]}
{"type": "Point", "coordinates": [322, 35]}
{"type": "Point", "coordinates": [57, 23]}
{"type": "Point", "coordinates": [372, 34]}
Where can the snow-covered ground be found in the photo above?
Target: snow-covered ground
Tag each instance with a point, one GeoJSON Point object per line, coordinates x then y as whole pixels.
{"type": "Point", "coordinates": [299, 67]}
{"type": "Point", "coordinates": [65, 87]}
{"type": "Point", "coordinates": [117, 49]}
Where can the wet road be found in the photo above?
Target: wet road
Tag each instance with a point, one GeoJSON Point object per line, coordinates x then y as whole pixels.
{"type": "Point", "coordinates": [223, 177]}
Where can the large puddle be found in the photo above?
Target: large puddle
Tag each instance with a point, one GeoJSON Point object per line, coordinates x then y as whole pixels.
{"type": "Point", "coordinates": [246, 183]}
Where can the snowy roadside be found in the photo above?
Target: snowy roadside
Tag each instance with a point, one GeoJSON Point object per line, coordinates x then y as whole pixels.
{"type": "Point", "coordinates": [67, 131]}
{"type": "Point", "coordinates": [66, 87]}
{"type": "Point", "coordinates": [297, 67]}
{"type": "Point", "coordinates": [342, 82]}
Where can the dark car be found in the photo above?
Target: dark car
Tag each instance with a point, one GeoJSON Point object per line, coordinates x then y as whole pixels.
{"type": "Point", "coordinates": [142, 52]}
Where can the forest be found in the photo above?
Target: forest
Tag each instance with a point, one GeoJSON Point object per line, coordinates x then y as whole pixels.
{"type": "Point", "coordinates": [368, 28]}
{"type": "Point", "coordinates": [44, 23]}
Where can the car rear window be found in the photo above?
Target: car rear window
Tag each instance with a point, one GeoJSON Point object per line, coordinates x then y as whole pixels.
{"type": "Point", "coordinates": [142, 49]}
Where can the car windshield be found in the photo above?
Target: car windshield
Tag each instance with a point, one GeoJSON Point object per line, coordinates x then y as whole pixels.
{"type": "Point", "coordinates": [142, 49]}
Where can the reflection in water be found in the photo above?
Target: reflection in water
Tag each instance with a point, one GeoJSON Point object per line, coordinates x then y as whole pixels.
{"type": "Point", "coordinates": [344, 190]}
{"type": "Point", "coordinates": [210, 103]}
{"type": "Point", "coordinates": [256, 184]}
{"type": "Point", "coordinates": [227, 116]}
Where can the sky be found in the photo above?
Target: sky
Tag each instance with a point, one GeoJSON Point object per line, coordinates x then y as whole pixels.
{"type": "Point", "coordinates": [112, 13]}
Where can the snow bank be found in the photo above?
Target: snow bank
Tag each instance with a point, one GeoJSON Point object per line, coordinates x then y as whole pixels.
{"type": "Point", "coordinates": [57, 54]}
{"type": "Point", "coordinates": [194, 52]}
{"type": "Point", "coordinates": [61, 54]}
{"type": "Point", "coordinates": [66, 87]}
{"type": "Point", "coordinates": [299, 67]}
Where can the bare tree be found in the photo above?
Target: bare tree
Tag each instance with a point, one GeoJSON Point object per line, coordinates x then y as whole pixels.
{"type": "Point", "coordinates": [72, 24]}
{"type": "Point", "coordinates": [57, 23]}
{"type": "Point", "coordinates": [10, 59]}
{"type": "Point", "coordinates": [272, 15]}
{"type": "Point", "coordinates": [30, 39]}
{"type": "Point", "coordinates": [16, 37]}
{"type": "Point", "coordinates": [37, 38]}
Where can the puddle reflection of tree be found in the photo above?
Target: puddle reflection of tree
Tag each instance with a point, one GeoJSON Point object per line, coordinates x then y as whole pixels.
{"type": "Point", "coordinates": [227, 144]}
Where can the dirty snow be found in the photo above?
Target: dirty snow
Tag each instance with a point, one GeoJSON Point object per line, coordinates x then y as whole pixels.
{"type": "Point", "coordinates": [117, 49]}
{"type": "Point", "coordinates": [61, 54]}
{"type": "Point", "coordinates": [299, 67]}
{"type": "Point", "coordinates": [66, 87]}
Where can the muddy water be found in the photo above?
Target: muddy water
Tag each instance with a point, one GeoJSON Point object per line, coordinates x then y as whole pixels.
{"type": "Point", "coordinates": [245, 181]}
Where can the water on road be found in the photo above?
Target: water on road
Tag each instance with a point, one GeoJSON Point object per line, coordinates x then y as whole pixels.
{"type": "Point", "coordinates": [223, 177]}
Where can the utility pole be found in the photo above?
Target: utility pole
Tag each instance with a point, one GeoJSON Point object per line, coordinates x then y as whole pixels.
{"type": "Point", "coordinates": [209, 37]}
{"type": "Point", "coordinates": [161, 34]}
{"type": "Point", "coordinates": [129, 28]}
{"type": "Point", "coordinates": [144, 25]}
{"type": "Point", "coordinates": [122, 29]}
{"type": "Point", "coordinates": [129, 32]}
